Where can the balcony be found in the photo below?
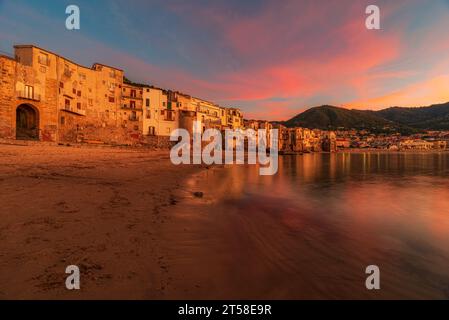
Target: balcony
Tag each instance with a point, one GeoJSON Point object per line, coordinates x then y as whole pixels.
{"type": "Point", "coordinates": [28, 95]}
{"type": "Point", "coordinates": [132, 97]}
{"type": "Point", "coordinates": [136, 108]}
{"type": "Point", "coordinates": [76, 111]}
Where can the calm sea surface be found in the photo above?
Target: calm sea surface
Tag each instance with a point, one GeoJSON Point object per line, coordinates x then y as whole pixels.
{"type": "Point", "coordinates": [312, 229]}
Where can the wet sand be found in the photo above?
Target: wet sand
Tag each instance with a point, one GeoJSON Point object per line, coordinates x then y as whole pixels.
{"type": "Point", "coordinates": [101, 209]}
{"type": "Point", "coordinates": [130, 220]}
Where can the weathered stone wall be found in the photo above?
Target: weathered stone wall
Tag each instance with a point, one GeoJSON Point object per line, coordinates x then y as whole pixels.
{"type": "Point", "coordinates": [7, 97]}
{"type": "Point", "coordinates": [72, 129]}
{"type": "Point", "coordinates": [13, 76]}
{"type": "Point", "coordinates": [46, 104]}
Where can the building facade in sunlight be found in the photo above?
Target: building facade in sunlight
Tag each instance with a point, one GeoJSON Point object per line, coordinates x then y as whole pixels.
{"type": "Point", "coordinates": [46, 97]}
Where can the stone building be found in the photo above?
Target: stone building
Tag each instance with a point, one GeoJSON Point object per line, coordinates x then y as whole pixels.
{"type": "Point", "coordinates": [131, 111]}
{"type": "Point", "coordinates": [44, 96]}
{"type": "Point", "coordinates": [50, 98]}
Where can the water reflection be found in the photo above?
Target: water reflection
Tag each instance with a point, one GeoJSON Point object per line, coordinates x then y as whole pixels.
{"type": "Point", "coordinates": [316, 225]}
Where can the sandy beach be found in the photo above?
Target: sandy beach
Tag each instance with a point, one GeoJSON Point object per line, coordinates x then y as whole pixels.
{"type": "Point", "coordinates": [132, 223]}
{"type": "Point", "coordinates": [101, 209]}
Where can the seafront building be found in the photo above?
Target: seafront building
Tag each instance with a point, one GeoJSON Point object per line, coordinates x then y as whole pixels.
{"type": "Point", "coordinates": [46, 97]}
{"type": "Point", "coordinates": [431, 140]}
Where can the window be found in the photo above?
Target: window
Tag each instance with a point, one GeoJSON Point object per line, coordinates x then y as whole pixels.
{"type": "Point", "coordinates": [111, 99]}
{"type": "Point", "coordinates": [132, 104]}
{"type": "Point", "coordinates": [149, 114]}
{"type": "Point", "coordinates": [147, 102]}
{"type": "Point", "coordinates": [43, 59]}
{"type": "Point", "coordinates": [163, 104]}
{"type": "Point", "coordinates": [29, 92]}
{"type": "Point", "coordinates": [91, 102]}
{"type": "Point", "coordinates": [133, 93]}
{"type": "Point", "coordinates": [78, 105]}
{"type": "Point", "coordinates": [67, 70]}
{"type": "Point", "coordinates": [169, 116]}
{"type": "Point", "coordinates": [78, 93]}
{"type": "Point", "coordinates": [151, 131]}
{"type": "Point", "coordinates": [67, 103]}
{"type": "Point", "coordinates": [74, 91]}
{"type": "Point", "coordinates": [62, 120]}
{"type": "Point", "coordinates": [82, 76]}
{"type": "Point", "coordinates": [61, 85]}
{"type": "Point", "coordinates": [112, 74]}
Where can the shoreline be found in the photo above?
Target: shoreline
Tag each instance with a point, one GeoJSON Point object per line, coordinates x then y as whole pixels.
{"type": "Point", "coordinates": [100, 209]}
{"type": "Point", "coordinates": [141, 228]}
{"type": "Point", "coordinates": [372, 150]}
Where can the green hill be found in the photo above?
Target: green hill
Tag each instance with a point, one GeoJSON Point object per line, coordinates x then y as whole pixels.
{"type": "Point", "coordinates": [404, 120]}
{"type": "Point", "coordinates": [330, 117]}
{"type": "Point", "coordinates": [435, 117]}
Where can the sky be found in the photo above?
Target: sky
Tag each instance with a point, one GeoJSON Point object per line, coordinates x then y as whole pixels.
{"type": "Point", "coordinates": [273, 59]}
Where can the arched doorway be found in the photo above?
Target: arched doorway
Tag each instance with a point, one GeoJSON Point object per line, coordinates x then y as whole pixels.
{"type": "Point", "coordinates": [27, 123]}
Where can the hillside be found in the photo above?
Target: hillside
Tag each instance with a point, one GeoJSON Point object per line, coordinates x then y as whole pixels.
{"type": "Point", "coordinates": [404, 120]}
{"type": "Point", "coordinates": [330, 117]}
{"type": "Point", "coordinates": [434, 117]}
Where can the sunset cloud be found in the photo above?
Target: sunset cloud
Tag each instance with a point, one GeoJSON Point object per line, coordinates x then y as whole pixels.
{"type": "Point", "coordinates": [273, 59]}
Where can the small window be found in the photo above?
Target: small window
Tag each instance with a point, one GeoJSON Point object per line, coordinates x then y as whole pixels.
{"type": "Point", "coordinates": [67, 70]}
{"type": "Point", "coordinates": [62, 120]}
{"type": "Point", "coordinates": [29, 92]}
{"type": "Point", "coordinates": [67, 103]}
{"type": "Point", "coordinates": [132, 104]}
{"type": "Point", "coordinates": [43, 59]}
{"type": "Point", "coordinates": [78, 93]}
{"type": "Point", "coordinates": [61, 85]}
{"type": "Point", "coordinates": [78, 105]}
{"type": "Point", "coordinates": [74, 91]}
{"type": "Point", "coordinates": [147, 102]}
{"type": "Point", "coordinates": [111, 99]}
